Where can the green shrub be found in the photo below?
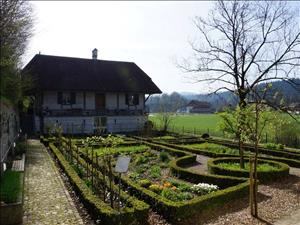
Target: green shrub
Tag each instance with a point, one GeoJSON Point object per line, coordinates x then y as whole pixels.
{"type": "Point", "coordinates": [141, 160]}
{"type": "Point", "coordinates": [20, 148]}
{"type": "Point", "coordinates": [155, 172]}
{"type": "Point", "coordinates": [10, 186]}
{"type": "Point", "coordinates": [164, 157]}
{"type": "Point", "coordinates": [135, 213]}
{"type": "Point", "coordinates": [145, 183]}
{"type": "Point", "coordinates": [180, 185]}
{"type": "Point", "coordinates": [271, 146]}
{"type": "Point", "coordinates": [229, 166]}
{"type": "Point", "coordinates": [155, 188]}
{"type": "Point", "coordinates": [176, 196]}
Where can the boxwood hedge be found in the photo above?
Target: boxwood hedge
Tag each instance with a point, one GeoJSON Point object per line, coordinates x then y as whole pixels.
{"type": "Point", "coordinates": [231, 188]}
{"type": "Point", "coordinates": [280, 169]}
{"type": "Point", "coordinates": [137, 214]}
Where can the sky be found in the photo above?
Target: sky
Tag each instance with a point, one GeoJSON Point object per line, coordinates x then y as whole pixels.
{"type": "Point", "coordinates": [154, 35]}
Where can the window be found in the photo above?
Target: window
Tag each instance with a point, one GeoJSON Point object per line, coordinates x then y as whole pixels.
{"type": "Point", "coordinates": [66, 98]}
{"type": "Point", "coordinates": [132, 99]}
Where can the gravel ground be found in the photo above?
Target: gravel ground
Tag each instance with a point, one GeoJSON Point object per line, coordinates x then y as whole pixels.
{"type": "Point", "coordinates": [200, 166]}
{"type": "Point", "coordinates": [275, 201]}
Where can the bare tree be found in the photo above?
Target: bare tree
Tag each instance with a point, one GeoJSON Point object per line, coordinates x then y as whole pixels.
{"type": "Point", "coordinates": [15, 29]}
{"type": "Point", "coordinates": [244, 44]}
{"type": "Point", "coordinates": [16, 23]}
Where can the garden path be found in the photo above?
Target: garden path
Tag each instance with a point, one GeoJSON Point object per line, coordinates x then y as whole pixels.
{"type": "Point", "coordinates": [294, 217]}
{"type": "Point", "coordinates": [46, 199]}
{"type": "Point", "coordinates": [200, 165]}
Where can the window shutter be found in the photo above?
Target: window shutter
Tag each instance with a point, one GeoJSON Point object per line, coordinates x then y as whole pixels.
{"type": "Point", "coordinates": [126, 99]}
{"type": "Point", "coordinates": [59, 97]}
{"type": "Point", "coordinates": [73, 98]}
{"type": "Point", "coordinates": [136, 99]}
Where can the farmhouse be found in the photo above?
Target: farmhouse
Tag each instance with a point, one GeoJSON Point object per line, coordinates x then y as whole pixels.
{"type": "Point", "coordinates": [87, 95]}
{"type": "Point", "coordinates": [195, 106]}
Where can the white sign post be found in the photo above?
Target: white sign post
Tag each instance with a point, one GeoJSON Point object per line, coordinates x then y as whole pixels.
{"type": "Point", "coordinates": [122, 164]}
{"type": "Point", "coordinates": [121, 167]}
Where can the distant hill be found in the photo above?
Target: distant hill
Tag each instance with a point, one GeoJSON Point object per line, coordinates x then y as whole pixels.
{"type": "Point", "coordinates": [280, 89]}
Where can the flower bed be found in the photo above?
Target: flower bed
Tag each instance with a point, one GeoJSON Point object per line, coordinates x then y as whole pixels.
{"type": "Point", "coordinates": [178, 199]}
{"type": "Point", "coordinates": [135, 213]}
{"type": "Point", "coordinates": [267, 170]}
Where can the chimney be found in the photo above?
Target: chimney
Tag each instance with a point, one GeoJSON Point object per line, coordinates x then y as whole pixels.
{"type": "Point", "coordinates": [95, 53]}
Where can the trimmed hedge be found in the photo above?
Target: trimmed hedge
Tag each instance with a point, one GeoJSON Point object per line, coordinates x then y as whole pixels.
{"type": "Point", "coordinates": [137, 214]}
{"type": "Point", "coordinates": [272, 152]}
{"type": "Point", "coordinates": [178, 211]}
{"type": "Point", "coordinates": [185, 174]}
{"type": "Point", "coordinates": [281, 169]}
{"type": "Point", "coordinates": [288, 161]}
{"type": "Point", "coordinates": [232, 188]}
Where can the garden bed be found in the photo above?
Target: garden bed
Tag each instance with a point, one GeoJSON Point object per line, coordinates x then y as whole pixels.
{"type": "Point", "coordinates": [133, 212]}
{"type": "Point", "coordinates": [266, 171]}
{"type": "Point", "coordinates": [11, 202]}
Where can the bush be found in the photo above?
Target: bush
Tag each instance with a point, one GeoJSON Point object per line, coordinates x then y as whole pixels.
{"type": "Point", "coordinates": [164, 157]}
{"type": "Point", "coordinates": [141, 159]}
{"type": "Point", "coordinates": [176, 196]}
{"type": "Point", "coordinates": [137, 213]}
{"type": "Point", "coordinates": [274, 146]}
{"type": "Point", "coordinates": [156, 188]}
{"type": "Point", "coordinates": [20, 148]}
{"type": "Point", "coordinates": [205, 135]}
{"type": "Point", "coordinates": [155, 172]}
{"type": "Point", "coordinates": [10, 186]}
{"type": "Point", "coordinates": [204, 188]}
{"type": "Point", "coordinates": [144, 183]}
{"type": "Point", "coordinates": [279, 169]}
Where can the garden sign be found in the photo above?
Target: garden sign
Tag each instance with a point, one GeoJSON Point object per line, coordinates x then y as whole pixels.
{"type": "Point", "coordinates": [122, 164]}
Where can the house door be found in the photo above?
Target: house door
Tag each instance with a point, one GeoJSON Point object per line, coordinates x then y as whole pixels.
{"type": "Point", "coordinates": [100, 101]}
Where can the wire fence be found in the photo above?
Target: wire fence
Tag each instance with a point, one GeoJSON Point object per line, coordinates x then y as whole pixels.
{"type": "Point", "coordinates": [288, 140]}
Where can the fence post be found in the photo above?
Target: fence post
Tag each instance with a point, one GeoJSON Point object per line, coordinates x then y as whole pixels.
{"type": "Point", "coordinates": [77, 152]}
{"type": "Point", "coordinates": [251, 198]}
{"type": "Point", "coordinates": [87, 165]}
{"type": "Point", "coordinates": [92, 164]}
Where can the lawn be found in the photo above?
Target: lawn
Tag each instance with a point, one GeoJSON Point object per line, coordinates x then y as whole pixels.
{"type": "Point", "coordinates": [201, 123]}
{"type": "Point", "coordinates": [10, 186]}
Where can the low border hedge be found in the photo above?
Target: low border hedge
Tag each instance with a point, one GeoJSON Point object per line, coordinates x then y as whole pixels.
{"type": "Point", "coordinates": [137, 214]}
{"type": "Point", "coordinates": [264, 176]}
{"type": "Point", "coordinates": [288, 161]}
{"type": "Point", "coordinates": [234, 187]}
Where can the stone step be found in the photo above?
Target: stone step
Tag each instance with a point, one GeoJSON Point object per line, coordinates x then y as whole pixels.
{"type": "Point", "coordinates": [19, 165]}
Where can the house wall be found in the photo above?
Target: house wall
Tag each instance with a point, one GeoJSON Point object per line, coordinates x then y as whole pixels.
{"type": "Point", "coordinates": [90, 100]}
{"type": "Point", "coordinates": [86, 124]}
{"type": "Point", "coordinates": [111, 101]}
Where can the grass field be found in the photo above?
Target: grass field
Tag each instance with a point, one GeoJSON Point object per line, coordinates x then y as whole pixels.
{"type": "Point", "coordinates": [208, 123]}
{"type": "Point", "coordinates": [199, 123]}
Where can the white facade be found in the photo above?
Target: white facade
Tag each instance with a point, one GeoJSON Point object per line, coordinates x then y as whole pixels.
{"type": "Point", "coordinates": [131, 118]}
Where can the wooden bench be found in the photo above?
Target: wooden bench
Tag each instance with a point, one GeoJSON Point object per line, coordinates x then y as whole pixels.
{"type": "Point", "coordinates": [19, 165]}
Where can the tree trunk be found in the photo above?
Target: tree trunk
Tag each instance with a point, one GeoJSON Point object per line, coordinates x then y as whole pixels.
{"type": "Point", "coordinates": [241, 121]}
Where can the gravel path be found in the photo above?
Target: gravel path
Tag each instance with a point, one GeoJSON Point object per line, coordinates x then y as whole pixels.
{"type": "Point", "coordinates": [200, 166]}
{"type": "Point", "coordinates": [46, 199]}
{"type": "Point", "coordinates": [279, 204]}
